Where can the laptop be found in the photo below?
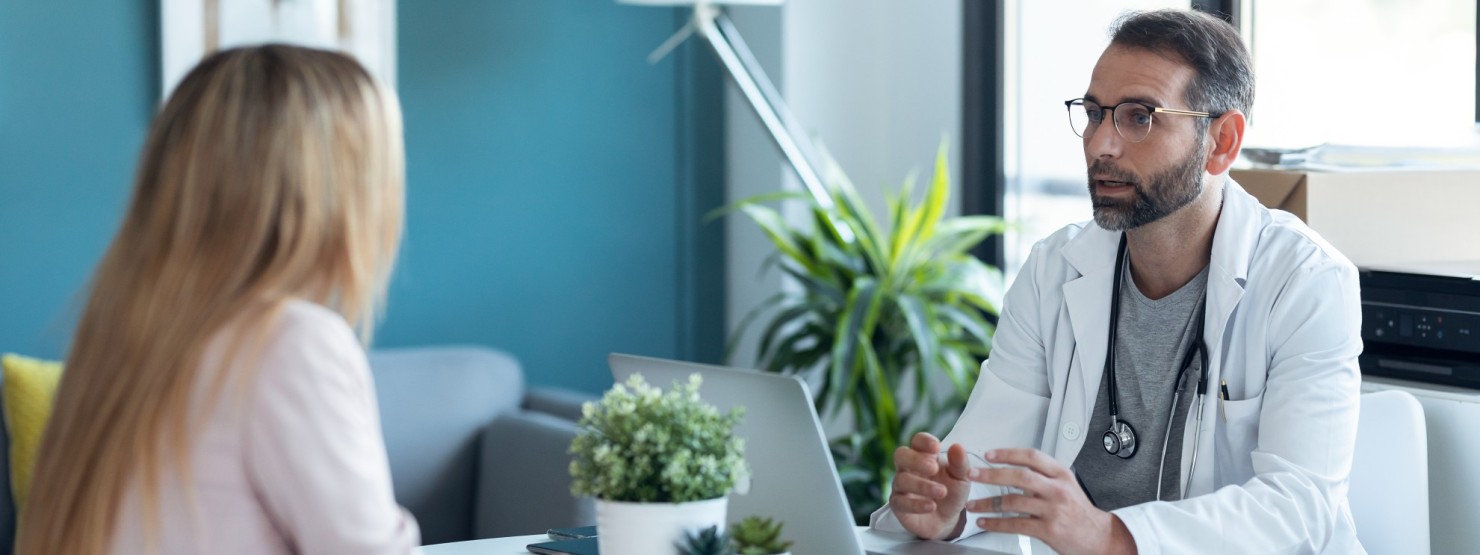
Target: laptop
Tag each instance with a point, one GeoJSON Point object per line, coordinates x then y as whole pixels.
{"type": "Point", "coordinates": [792, 476]}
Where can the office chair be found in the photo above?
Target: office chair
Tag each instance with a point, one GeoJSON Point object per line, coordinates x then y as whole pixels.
{"type": "Point", "coordinates": [1390, 475]}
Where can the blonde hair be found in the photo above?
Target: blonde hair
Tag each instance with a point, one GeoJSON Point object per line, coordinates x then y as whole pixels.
{"type": "Point", "coordinates": [273, 172]}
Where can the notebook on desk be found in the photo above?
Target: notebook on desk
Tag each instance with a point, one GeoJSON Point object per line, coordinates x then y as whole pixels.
{"type": "Point", "coordinates": [793, 479]}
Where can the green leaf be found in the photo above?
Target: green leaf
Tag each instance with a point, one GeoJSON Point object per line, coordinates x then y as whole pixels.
{"type": "Point", "coordinates": [848, 266]}
{"type": "Point", "coordinates": [886, 413]}
{"type": "Point", "coordinates": [958, 235]}
{"type": "Point", "coordinates": [820, 286]}
{"type": "Point", "coordinates": [857, 318]}
{"type": "Point", "coordinates": [790, 358]}
{"type": "Point", "coordinates": [780, 235]}
{"type": "Point", "coordinates": [751, 315]}
{"type": "Point", "coordinates": [918, 317]}
{"type": "Point", "coordinates": [977, 283]}
{"type": "Point", "coordinates": [854, 213]}
{"type": "Point", "coordinates": [733, 207]}
{"type": "Point", "coordinates": [788, 316]}
{"type": "Point", "coordinates": [940, 192]}
{"type": "Point", "coordinates": [969, 320]}
{"type": "Point", "coordinates": [903, 219]}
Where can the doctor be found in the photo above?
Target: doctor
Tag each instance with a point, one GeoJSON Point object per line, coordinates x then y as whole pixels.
{"type": "Point", "coordinates": [1180, 376]}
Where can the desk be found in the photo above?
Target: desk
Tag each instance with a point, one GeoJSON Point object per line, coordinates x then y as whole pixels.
{"type": "Point", "coordinates": [514, 545]}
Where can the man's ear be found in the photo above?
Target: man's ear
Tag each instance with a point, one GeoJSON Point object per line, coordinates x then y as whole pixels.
{"type": "Point", "coordinates": [1227, 134]}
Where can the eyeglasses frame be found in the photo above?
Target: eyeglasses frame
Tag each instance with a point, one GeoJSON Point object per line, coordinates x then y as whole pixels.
{"type": "Point", "coordinates": [1069, 105]}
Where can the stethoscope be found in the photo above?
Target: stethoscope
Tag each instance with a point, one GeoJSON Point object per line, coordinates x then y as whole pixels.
{"type": "Point", "coordinates": [1120, 439]}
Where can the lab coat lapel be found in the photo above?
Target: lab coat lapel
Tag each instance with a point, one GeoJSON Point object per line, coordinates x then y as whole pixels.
{"type": "Point", "coordinates": [1087, 297]}
{"type": "Point", "coordinates": [1237, 234]}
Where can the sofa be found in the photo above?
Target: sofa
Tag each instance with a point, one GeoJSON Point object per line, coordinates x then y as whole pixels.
{"type": "Point", "coordinates": [474, 452]}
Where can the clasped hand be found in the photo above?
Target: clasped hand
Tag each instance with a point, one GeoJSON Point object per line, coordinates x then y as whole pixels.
{"type": "Point", "coordinates": [931, 499]}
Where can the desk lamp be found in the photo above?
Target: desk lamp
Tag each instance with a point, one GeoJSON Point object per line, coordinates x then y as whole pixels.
{"type": "Point", "coordinates": [710, 23]}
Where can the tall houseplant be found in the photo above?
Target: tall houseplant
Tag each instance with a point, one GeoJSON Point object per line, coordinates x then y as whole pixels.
{"type": "Point", "coordinates": [893, 323]}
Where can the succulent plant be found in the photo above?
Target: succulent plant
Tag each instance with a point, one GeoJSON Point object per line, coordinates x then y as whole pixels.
{"type": "Point", "coordinates": [709, 541]}
{"type": "Point", "coordinates": [758, 536]}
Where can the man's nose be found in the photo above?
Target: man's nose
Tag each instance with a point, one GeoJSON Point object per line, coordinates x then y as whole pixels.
{"type": "Point", "coordinates": [1103, 141]}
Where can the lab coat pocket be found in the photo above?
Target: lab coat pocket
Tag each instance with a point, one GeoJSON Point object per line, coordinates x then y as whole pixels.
{"type": "Point", "coordinates": [1237, 436]}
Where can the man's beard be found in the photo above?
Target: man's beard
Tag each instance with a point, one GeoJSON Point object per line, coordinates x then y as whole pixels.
{"type": "Point", "coordinates": [1154, 198]}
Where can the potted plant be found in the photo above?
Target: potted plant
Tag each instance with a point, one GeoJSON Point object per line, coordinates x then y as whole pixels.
{"type": "Point", "coordinates": [709, 541]}
{"type": "Point", "coordinates": [882, 319]}
{"type": "Point", "coordinates": [758, 536]}
{"type": "Point", "coordinates": [659, 465]}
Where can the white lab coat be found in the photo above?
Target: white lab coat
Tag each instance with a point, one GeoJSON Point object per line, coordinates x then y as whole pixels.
{"type": "Point", "coordinates": [1283, 328]}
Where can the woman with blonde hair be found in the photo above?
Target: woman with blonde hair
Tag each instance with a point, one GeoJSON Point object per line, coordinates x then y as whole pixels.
{"type": "Point", "coordinates": [215, 398]}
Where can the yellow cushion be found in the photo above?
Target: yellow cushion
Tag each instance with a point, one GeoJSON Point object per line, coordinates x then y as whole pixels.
{"type": "Point", "coordinates": [30, 387]}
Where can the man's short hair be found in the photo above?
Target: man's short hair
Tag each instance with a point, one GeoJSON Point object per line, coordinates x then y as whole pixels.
{"type": "Point", "coordinates": [1224, 75]}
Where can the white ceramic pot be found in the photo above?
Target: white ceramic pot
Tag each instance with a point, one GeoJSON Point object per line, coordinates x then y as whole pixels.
{"type": "Point", "coordinates": [653, 528]}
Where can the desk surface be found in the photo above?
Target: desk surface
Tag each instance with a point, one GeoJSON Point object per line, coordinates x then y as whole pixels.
{"type": "Point", "coordinates": [514, 545]}
{"type": "Point", "coordinates": [511, 545]}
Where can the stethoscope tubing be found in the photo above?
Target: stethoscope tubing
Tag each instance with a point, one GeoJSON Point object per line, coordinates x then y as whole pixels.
{"type": "Point", "coordinates": [1200, 348]}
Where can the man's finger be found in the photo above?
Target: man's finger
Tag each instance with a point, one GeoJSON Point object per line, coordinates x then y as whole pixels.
{"type": "Point", "coordinates": [910, 504]}
{"type": "Point", "coordinates": [912, 461]}
{"type": "Point", "coordinates": [1014, 476]}
{"type": "Point", "coordinates": [1011, 504]}
{"type": "Point", "coordinates": [958, 467]}
{"type": "Point", "coordinates": [1026, 526]}
{"type": "Point", "coordinates": [925, 443]}
{"type": "Point", "coordinates": [1037, 460]}
{"type": "Point", "coordinates": [918, 485]}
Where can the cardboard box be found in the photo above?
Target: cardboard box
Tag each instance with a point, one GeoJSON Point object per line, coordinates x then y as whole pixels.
{"type": "Point", "coordinates": [1380, 216]}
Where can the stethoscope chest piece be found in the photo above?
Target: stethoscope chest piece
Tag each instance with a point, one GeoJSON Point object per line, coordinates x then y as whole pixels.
{"type": "Point", "coordinates": [1120, 440]}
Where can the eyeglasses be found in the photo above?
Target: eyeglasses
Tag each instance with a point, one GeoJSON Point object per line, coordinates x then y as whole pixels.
{"type": "Point", "coordinates": [1132, 119]}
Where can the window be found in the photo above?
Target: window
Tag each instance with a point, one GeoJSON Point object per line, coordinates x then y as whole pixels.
{"type": "Point", "coordinates": [1372, 72]}
{"type": "Point", "coordinates": [1050, 48]}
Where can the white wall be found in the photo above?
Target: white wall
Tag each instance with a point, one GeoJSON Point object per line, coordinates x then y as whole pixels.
{"type": "Point", "coordinates": [876, 82]}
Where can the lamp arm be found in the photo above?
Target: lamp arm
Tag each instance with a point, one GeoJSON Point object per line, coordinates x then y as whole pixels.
{"type": "Point", "coordinates": [711, 23]}
{"type": "Point", "coordinates": [742, 66]}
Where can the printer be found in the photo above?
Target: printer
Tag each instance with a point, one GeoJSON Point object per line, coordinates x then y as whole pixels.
{"type": "Point", "coordinates": [1421, 322]}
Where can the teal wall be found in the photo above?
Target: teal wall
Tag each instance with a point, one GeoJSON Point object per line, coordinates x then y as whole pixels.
{"type": "Point", "coordinates": [78, 81]}
{"type": "Point", "coordinates": [555, 181]}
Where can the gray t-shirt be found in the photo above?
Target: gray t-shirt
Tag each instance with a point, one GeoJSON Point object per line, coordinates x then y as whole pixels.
{"type": "Point", "coordinates": [1151, 343]}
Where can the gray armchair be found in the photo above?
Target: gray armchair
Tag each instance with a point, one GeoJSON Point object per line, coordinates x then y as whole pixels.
{"type": "Point", "coordinates": [473, 452]}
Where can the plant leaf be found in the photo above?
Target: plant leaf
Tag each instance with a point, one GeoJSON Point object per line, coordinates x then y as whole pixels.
{"type": "Point", "coordinates": [762, 198]}
{"type": "Point", "coordinates": [749, 317]}
{"type": "Point", "coordinates": [934, 205]}
{"type": "Point", "coordinates": [886, 412]}
{"type": "Point", "coordinates": [779, 233]}
{"type": "Point", "coordinates": [819, 286]}
{"type": "Point", "coordinates": [968, 278]}
{"type": "Point", "coordinates": [857, 317]}
{"type": "Point", "coordinates": [918, 317]}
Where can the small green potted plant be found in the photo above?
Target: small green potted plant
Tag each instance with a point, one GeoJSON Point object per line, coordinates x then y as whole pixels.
{"type": "Point", "coordinates": [659, 464]}
{"type": "Point", "coordinates": [709, 541]}
{"type": "Point", "coordinates": [758, 536]}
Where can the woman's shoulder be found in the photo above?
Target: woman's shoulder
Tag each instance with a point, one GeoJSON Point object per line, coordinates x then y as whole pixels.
{"type": "Point", "coordinates": [297, 316]}
{"type": "Point", "coordinates": [302, 344]}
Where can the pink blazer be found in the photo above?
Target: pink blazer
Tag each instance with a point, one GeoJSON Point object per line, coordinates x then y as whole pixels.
{"type": "Point", "coordinates": [294, 464]}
